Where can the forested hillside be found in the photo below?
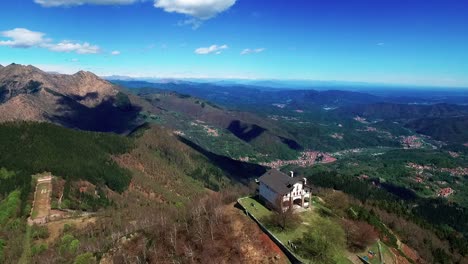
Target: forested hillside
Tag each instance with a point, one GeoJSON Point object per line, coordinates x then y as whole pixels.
{"type": "Point", "coordinates": [30, 148]}
{"type": "Point", "coordinates": [138, 179]}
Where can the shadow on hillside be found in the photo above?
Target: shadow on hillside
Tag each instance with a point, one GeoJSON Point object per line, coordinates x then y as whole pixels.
{"type": "Point", "coordinates": [401, 192]}
{"type": "Point", "coordinates": [241, 171]}
{"type": "Point", "coordinates": [105, 117]}
{"type": "Point", "coordinates": [92, 95]}
{"type": "Point", "coordinates": [292, 144]}
{"type": "Point", "coordinates": [244, 131]}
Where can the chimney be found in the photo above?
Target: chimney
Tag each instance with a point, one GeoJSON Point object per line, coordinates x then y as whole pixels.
{"type": "Point", "coordinates": [304, 180]}
{"type": "Point", "coordinates": [292, 174]}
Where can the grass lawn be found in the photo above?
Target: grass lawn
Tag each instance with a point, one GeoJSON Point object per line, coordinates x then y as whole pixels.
{"type": "Point", "coordinates": [343, 260]}
{"type": "Point", "coordinates": [255, 208]}
{"type": "Point", "coordinates": [308, 217]}
{"type": "Point", "coordinates": [307, 221]}
{"type": "Point", "coordinates": [260, 212]}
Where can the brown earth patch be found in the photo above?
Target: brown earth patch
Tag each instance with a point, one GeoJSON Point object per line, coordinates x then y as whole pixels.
{"type": "Point", "coordinates": [256, 246]}
{"type": "Point", "coordinates": [399, 258]}
{"type": "Point", "coordinates": [56, 227]}
{"type": "Point", "coordinates": [411, 253]}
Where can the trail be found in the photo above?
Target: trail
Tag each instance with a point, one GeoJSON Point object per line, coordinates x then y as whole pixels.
{"type": "Point", "coordinates": [26, 255]}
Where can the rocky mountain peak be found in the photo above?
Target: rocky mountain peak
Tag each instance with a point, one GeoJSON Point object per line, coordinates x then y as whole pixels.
{"type": "Point", "coordinates": [28, 93]}
{"type": "Point", "coordinates": [85, 74]}
{"type": "Point", "coordinates": [18, 69]}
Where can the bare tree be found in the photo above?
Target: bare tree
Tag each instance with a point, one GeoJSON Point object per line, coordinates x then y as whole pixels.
{"type": "Point", "coordinates": [284, 216]}
{"type": "Point", "coordinates": [359, 235]}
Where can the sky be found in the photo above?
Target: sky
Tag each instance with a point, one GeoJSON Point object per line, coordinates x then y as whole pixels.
{"type": "Point", "coordinates": [410, 42]}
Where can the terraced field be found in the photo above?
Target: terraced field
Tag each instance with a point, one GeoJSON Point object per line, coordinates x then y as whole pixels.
{"type": "Point", "coordinates": [41, 208]}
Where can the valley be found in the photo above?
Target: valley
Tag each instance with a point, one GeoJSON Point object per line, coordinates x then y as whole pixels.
{"type": "Point", "coordinates": [233, 132]}
{"type": "Point", "coordinates": [174, 161]}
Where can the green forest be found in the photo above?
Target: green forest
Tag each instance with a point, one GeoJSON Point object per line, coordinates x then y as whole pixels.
{"type": "Point", "coordinates": [31, 148]}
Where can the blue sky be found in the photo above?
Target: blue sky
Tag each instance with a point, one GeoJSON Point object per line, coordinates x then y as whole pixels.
{"type": "Point", "coordinates": [417, 42]}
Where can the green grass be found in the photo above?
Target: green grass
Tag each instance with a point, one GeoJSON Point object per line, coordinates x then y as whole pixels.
{"type": "Point", "coordinates": [12, 227]}
{"type": "Point", "coordinates": [343, 260]}
{"type": "Point", "coordinates": [308, 217]}
{"type": "Point", "coordinates": [307, 221]}
{"type": "Point", "coordinates": [258, 210]}
{"type": "Point", "coordinates": [26, 255]}
{"type": "Point", "coordinates": [9, 207]}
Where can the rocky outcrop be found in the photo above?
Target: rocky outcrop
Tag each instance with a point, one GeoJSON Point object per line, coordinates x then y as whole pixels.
{"type": "Point", "coordinates": [82, 100]}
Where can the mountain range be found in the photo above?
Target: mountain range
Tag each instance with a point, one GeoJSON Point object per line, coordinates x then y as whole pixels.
{"type": "Point", "coordinates": [176, 144]}
{"type": "Point", "coordinates": [82, 100]}
{"type": "Point", "coordinates": [85, 101]}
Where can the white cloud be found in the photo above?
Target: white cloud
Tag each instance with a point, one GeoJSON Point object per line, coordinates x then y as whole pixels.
{"type": "Point", "coordinates": [22, 38]}
{"type": "Point", "coordinates": [381, 44]}
{"type": "Point", "coordinates": [250, 51]}
{"type": "Point", "coordinates": [115, 52]}
{"type": "Point", "coordinates": [201, 9]}
{"type": "Point", "coordinates": [67, 46]}
{"type": "Point", "coordinates": [54, 3]}
{"type": "Point", "coordinates": [74, 60]}
{"type": "Point", "coordinates": [194, 22]}
{"type": "Point", "coordinates": [211, 49]}
{"type": "Point", "coordinates": [25, 38]}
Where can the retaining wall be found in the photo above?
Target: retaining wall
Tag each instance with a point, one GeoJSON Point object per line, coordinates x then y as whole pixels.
{"type": "Point", "coordinates": [286, 251]}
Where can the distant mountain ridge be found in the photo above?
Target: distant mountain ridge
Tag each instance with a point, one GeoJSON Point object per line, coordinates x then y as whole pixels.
{"type": "Point", "coordinates": [444, 122]}
{"type": "Point", "coordinates": [405, 111]}
{"type": "Point", "coordinates": [449, 129]}
{"type": "Point", "coordinates": [422, 113]}
{"type": "Point", "coordinates": [243, 95]}
{"type": "Point", "coordinates": [216, 90]}
{"type": "Point", "coordinates": [232, 94]}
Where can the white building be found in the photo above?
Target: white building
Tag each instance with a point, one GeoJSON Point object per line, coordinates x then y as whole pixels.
{"type": "Point", "coordinates": [279, 190]}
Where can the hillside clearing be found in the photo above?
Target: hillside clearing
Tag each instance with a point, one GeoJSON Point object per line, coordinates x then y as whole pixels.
{"type": "Point", "coordinates": [41, 204]}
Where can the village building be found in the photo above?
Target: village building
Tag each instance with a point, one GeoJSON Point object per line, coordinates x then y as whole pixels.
{"type": "Point", "coordinates": [445, 192]}
{"type": "Point", "coordinates": [280, 191]}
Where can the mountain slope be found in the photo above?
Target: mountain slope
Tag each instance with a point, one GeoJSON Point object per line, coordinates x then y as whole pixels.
{"type": "Point", "coordinates": [405, 111]}
{"type": "Point", "coordinates": [81, 100]}
{"type": "Point", "coordinates": [29, 148]}
{"type": "Point", "coordinates": [230, 133]}
{"type": "Point", "coordinates": [449, 129]}
{"type": "Point", "coordinates": [444, 122]}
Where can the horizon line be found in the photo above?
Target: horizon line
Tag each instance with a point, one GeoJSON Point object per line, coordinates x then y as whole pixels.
{"type": "Point", "coordinates": [343, 83]}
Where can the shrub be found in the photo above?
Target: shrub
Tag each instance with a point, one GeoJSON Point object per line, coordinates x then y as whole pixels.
{"type": "Point", "coordinates": [86, 258]}
{"type": "Point", "coordinates": [40, 232]}
{"type": "Point", "coordinates": [38, 249]}
{"type": "Point", "coordinates": [323, 243]}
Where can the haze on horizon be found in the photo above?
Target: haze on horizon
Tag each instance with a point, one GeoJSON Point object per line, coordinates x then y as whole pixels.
{"type": "Point", "coordinates": [421, 43]}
